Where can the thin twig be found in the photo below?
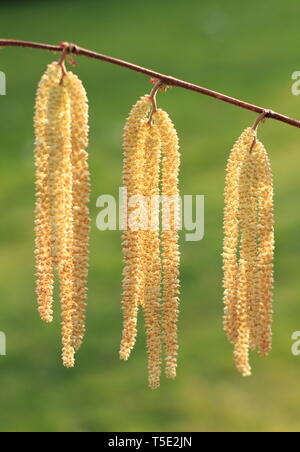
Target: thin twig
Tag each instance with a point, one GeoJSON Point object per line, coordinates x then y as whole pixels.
{"type": "Point", "coordinates": [61, 62]}
{"type": "Point", "coordinates": [261, 118]}
{"type": "Point", "coordinates": [152, 97]}
{"type": "Point", "coordinates": [168, 80]}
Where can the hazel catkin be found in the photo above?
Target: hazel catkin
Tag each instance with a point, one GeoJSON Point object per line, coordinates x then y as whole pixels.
{"type": "Point", "coordinates": [231, 232]}
{"type": "Point", "coordinates": [247, 263]}
{"type": "Point", "coordinates": [62, 195]}
{"type": "Point", "coordinates": [170, 246]}
{"type": "Point", "coordinates": [151, 256]}
{"type": "Point", "coordinates": [81, 196]}
{"type": "Point", "coordinates": [135, 133]}
{"type": "Point", "coordinates": [265, 249]}
{"type": "Point", "coordinates": [43, 252]}
{"type": "Point", "coordinates": [248, 249]}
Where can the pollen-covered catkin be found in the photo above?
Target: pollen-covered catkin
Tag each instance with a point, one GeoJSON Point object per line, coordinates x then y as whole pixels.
{"type": "Point", "coordinates": [265, 249]}
{"type": "Point", "coordinates": [81, 195]}
{"type": "Point", "coordinates": [152, 261]}
{"type": "Point", "coordinates": [231, 232]}
{"type": "Point", "coordinates": [62, 196]}
{"type": "Point", "coordinates": [58, 132]}
{"type": "Point", "coordinates": [247, 262]}
{"type": "Point", "coordinates": [151, 257]}
{"type": "Point", "coordinates": [43, 258]}
{"type": "Point", "coordinates": [170, 246]}
{"type": "Point", "coordinates": [248, 250]}
{"type": "Point", "coordinates": [135, 132]}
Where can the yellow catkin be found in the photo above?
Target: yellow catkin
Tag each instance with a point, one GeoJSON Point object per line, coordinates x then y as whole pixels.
{"type": "Point", "coordinates": [248, 250]}
{"type": "Point", "coordinates": [44, 270]}
{"type": "Point", "coordinates": [254, 297]}
{"type": "Point", "coordinates": [152, 261]}
{"type": "Point", "coordinates": [81, 195]}
{"type": "Point", "coordinates": [252, 273]}
{"type": "Point", "coordinates": [265, 248]}
{"type": "Point", "coordinates": [58, 132]}
{"type": "Point", "coordinates": [247, 262]}
{"type": "Point", "coordinates": [231, 232]}
{"type": "Point", "coordinates": [135, 132]}
{"type": "Point", "coordinates": [170, 246]}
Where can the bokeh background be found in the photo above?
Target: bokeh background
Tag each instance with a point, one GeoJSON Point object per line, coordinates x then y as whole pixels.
{"type": "Point", "coordinates": [248, 50]}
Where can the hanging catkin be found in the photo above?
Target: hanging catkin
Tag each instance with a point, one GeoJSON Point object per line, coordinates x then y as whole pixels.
{"type": "Point", "coordinates": [62, 195]}
{"type": "Point", "coordinates": [135, 132]}
{"type": "Point", "coordinates": [248, 249]}
{"type": "Point", "coordinates": [170, 247]}
{"type": "Point", "coordinates": [247, 263]}
{"type": "Point", "coordinates": [231, 232]}
{"type": "Point", "coordinates": [44, 274]}
{"type": "Point", "coordinates": [81, 195]}
{"type": "Point", "coordinates": [151, 259]}
{"type": "Point", "coordinates": [152, 262]}
{"type": "Point", "coordinates": [265, 249]}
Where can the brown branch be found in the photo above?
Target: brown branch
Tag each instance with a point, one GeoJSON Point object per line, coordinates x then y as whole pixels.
{"type": "Point", "coordinates": [168, 80]}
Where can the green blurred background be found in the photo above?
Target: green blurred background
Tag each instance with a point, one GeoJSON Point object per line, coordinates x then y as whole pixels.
{"type": "Point", "coordinates": [248, 50]}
